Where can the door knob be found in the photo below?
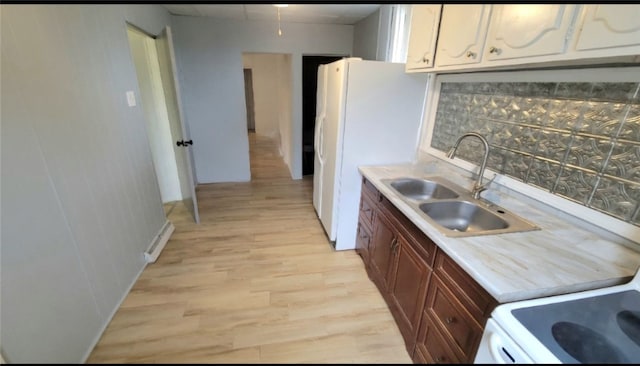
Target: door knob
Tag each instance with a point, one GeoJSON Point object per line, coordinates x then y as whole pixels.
{"type": "Point", "coordinates": [184, 143]}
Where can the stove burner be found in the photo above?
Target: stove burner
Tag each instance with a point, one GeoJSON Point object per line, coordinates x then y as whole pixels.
{"type": "Point", "coordinates": [584, 344]}
{"type": "Point", "coordinates": [629, 322]}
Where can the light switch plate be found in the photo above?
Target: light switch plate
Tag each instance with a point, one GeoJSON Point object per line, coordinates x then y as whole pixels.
{"type": "Point", "coordinates": [131, 98]}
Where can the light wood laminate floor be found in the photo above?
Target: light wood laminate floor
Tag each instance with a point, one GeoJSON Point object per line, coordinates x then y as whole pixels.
{"type": "Point", "coordinates": [256, 282]}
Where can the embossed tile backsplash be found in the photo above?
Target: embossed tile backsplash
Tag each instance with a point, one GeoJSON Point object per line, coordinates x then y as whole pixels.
{"type": "Point", "coordinates": [580, 141]}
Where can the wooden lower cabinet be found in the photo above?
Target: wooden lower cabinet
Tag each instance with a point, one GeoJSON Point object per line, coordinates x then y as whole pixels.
{"type": "Point", "coordinates": [440, 310]}
{"type": "Point", "coordinates": [368, 203]}
{"type": "Point", "coordinates": [454, 317]}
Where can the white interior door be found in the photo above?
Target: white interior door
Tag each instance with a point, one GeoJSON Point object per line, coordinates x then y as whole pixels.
{"type": "Point", "coordinates": [179, 132]}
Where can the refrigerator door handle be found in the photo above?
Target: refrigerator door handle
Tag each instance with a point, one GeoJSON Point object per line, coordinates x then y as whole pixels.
{"type": "Point", "coordinates": [316, 133]}
{"type": "Point", "coordinates": [319, 139]}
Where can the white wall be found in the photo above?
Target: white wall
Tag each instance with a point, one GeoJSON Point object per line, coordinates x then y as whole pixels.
{"type": "Point", "coordinates": [365, 37]}
{"type": "Point", "coordinates": [384, 30]}
{"type": "Point", "coordinates": [371, 35]}
{"type": "Point", "coordinates": [151, 99]}
{"type": "Point", "coordinates": [80, 199]}
{"type": "Point", "coordinates": [209, 57]}
{"type": "Point", "coordinates": [285, 97]}
{"type": "Point", "coordinates": [266, 82]}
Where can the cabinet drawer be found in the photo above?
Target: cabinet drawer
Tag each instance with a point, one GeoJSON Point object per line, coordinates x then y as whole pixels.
{"type": "Point", "coordinates": [367, 209]}
{"type": "Point", "coordinates": [431, 346]}
{"type": "Point", "coordinates": [472, 296]}
{"type": "Point", "coordinates": [370, 190]}
{"type": "Point", "coordinates": [419, 356]}
{"type": "Point", "coordinates": [455, 322]}
{"type": "Point", "coordinates": [363, 239]}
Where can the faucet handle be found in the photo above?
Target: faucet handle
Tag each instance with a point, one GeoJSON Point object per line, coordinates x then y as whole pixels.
{"type": "Point", "coordinates": [478, 188]}
{"type": "Point", "coordinates": [486, 185]}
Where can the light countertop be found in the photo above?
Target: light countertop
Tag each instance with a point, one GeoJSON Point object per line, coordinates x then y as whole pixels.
{"type": "Point", "coordinates": [566, 255]}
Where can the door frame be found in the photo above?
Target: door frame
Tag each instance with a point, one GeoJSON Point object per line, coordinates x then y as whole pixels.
{"type": "Point", "coordinates": [182, 121]}
{"type": "Point", "coordinates": [189, 161]}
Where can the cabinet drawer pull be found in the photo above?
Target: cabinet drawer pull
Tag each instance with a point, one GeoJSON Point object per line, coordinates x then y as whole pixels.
{"type": "Point", "coordinates": [471, 54]}
{"type": "Point", "coordinates": [425, 60]}
{"type": "Point", "coordinates": [494, 50]}
{"type": "Point", "coordinates": [440, 359]}
{"type": "Point", "coordinates": [450, 320]}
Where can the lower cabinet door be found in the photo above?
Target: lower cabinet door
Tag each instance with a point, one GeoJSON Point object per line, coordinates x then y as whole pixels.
{"type": "Point", "coordinates": [383, 240]}
{"type": "Point", "coordinates": [408, 288]}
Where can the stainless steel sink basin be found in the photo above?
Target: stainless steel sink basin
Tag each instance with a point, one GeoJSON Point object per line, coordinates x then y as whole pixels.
{"type": "Point", "coordinates": [422, 189]}
{"type": "Point", "coordinates": [469, 217]}
{"type": "Point", "coordinates": [452, 210]}
{"type": "Point", "coordinates": [463, 216]}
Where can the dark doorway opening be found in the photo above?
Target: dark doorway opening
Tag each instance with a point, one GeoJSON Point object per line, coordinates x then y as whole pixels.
{"type": "Point", "coordinates": [309, 87]}
{"type": "Point", "coordinates": [248, 96]}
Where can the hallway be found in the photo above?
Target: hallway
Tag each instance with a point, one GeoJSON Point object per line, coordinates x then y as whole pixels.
{"type": "Point", "coordinates": [256, 282]}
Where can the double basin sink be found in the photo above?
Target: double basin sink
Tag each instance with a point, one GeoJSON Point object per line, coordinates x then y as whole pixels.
{"type": "Point", "coordinates": [453, 209]}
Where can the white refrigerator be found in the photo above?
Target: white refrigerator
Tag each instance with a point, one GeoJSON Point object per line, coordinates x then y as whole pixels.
{"type": "Point", "coordinates": [367, 113]}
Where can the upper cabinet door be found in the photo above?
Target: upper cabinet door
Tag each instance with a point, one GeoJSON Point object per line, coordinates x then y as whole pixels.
{"type": "Point", "coordinates": [463, 29]}
{"type": "Point", "coordinates": [423, 34]}
{"type": "Point", "coordinates": [528, 30]}
{"type": "Point", "coordinates": [606, 26]}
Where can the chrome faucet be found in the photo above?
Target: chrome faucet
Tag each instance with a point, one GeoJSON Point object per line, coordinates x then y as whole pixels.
{"type": "Point", "coordinates": [478, 187]}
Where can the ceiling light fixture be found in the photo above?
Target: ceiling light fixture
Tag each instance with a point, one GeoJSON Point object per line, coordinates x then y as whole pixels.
{"type": "Point", "coordinates": [278, 6]}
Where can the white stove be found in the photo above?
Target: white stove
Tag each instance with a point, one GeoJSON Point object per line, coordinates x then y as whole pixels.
{"type": "Point", "coordinates": [595, 326]}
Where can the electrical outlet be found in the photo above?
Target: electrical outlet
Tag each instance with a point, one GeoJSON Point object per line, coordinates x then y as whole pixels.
{"type": "Point", "coordinates": [131, 98]}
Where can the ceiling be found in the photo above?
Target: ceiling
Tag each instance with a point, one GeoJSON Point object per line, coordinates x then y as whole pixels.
{"type": "Point", "coordinates": [294, 13]}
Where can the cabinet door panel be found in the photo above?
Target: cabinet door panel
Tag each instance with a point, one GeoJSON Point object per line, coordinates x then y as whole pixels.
{"type": "Point", "coordinates": [422, 36]}
{"type": "Point", "coordinates": [528, 30]}
{"type": "Point", "coordinates": [408, 289]}
{"type": "Point", "coordinates": [463, 29]}
{"type": "Point", "coordinates": [380, 250]}
{"type": "Point", "coordinates": [606, 26]}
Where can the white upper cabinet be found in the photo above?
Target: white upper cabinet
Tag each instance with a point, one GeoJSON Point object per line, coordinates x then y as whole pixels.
{"type": "Point", "coordinates": [482, 36]}
{"type": "Point", "coordinates": [608, 26]}
{"type": "Point", "coordinates": [528, 30]}
{"type": "Point", "coordinates": [463, 29]}
{"type": "Point", "coordinates": [425, 20]}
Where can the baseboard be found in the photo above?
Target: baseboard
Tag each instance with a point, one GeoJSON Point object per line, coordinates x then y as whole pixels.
{"type": "Point", "coordinates": [160, 241]}
{"type": "Point", "coordinates": [155, 248]}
